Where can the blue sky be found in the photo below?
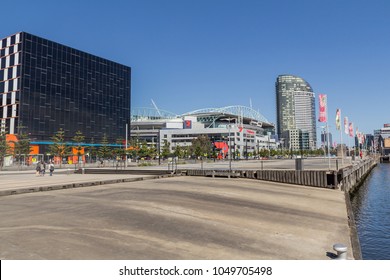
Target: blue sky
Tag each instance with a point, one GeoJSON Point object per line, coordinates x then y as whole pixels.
{"type": "Point", "coordinates": [192, 54]}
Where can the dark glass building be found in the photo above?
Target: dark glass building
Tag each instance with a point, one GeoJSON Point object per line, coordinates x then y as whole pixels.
{"type": "Point", "coordinates": [45, 86]}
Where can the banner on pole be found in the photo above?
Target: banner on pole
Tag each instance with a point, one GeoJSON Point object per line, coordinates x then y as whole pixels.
{"type": "Point", "coordinates": [346, 129]}
{"type": "Point", "coordinates": [350, 129]}
{"type": "Point", "coordinates": [323, 108]}
{"type": "Point", "coordinates": [338, 116]}
{"type": "Point", "coordinates": [357, 135]}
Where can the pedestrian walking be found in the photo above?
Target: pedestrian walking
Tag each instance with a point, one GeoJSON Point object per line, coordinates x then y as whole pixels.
{"type": "Point", "coordinates": [38, 169]}
{"type": "Point", "coordinates": [51, 168]}
{"type": "Point", "coordinates": [43, 168]}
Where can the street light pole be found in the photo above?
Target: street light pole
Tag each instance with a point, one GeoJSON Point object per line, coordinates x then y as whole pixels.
{"type": "Point", "coordinates": [159, 147]}
{"type": "Point", "coordinates": [230, 151]}
{"type": "Point", "coordinates": [327, 140]}
{"type": "Point", "coordinates": [269, 144]}
{"type": "Point", "coordinates": [126, 146]}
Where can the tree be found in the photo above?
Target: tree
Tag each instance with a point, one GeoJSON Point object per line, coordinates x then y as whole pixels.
{"type": "Point", "coordinates": [165, 149]}
{"type": "Point", "coordinates": [104, 150]}
{"type": "Point", "coordinates": [144, 151]}
{"type": "Point", "coordinates": [120, 149]}
{"type": "Point", "coordinates": [178, 151]}
{"type": "Point", "coordinates": [201, 146]}
{"type": "Point", "coordinates": [22, 145]}
{"type": "Point", "coordinates": [134, 148]}
{"type": "Point", "coordinates": [91, 150]}
{"type": "Point", "coordinates": [59, 147]}
{"type": "Point", "coordinates": [4, 148]}
{"type": "Point", "coordinates": [78, 139]}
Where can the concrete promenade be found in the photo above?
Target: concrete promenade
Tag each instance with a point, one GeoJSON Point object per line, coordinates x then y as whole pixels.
{"type": "Point", "coordinates": [168, 218]}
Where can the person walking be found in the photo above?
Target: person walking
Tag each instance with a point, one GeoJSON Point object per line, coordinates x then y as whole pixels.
{"type": "Point", "coordinates": [43, 168]}
{"type": "Point", "coordinates": [51, 168]}
{"type": "Point", "coordinates": [38, 169]}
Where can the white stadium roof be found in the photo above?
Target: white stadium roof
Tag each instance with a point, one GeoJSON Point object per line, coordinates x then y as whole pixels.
{"type": "Point", "coordinates": [143, 113]}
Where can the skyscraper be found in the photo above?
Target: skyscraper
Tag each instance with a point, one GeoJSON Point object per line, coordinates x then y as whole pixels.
{"type": "Point", "coordinates": [295, 109]}
{"type": "Point", "coordinates": [46, 86]}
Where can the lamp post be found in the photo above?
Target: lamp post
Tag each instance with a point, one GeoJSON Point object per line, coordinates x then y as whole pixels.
{"type": "Point", "coordinates": [269, 144]}
{"type": "Point", "coordinates": [327, 140]}
{"type": "Point", "coordinates": [230, 149]}
{"type": "Point", "coordinates": [159, 147]}
{"type": "Point", "coordinates": [246, 147]}
{"type": "Point", "coordinates": [126, 145]}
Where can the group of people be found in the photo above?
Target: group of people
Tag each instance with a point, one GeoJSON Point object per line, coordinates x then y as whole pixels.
{"type": "Point", "coordinates": [41, 168]}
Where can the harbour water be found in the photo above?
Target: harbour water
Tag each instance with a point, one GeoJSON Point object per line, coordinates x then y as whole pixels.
{"type": "Point", "coordinates": [371, 206]}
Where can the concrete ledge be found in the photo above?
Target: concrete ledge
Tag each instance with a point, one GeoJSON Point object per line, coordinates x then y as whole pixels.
{"type": "Point", "coordinates": [221, 174]}
{"type": "Point", "coordinates": [122, 171]}
{"type": "Point", "coordinates": [77, 185]}
{"type": "Point", "coordinates": [356, 249]}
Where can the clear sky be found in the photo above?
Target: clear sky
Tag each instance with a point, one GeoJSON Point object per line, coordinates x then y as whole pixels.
{"type": "Point", "coordinates": [193, 54]}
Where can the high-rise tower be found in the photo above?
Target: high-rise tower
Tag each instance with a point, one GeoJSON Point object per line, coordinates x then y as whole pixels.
{"type": "Point", "coordinates": [295, 110]}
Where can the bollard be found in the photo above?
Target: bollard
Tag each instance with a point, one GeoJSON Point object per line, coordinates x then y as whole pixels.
{"type": "Point", "coordinates": [82, 170]}
{"type": "Point", "coordinates": [299, 164]}
{"type": "Point", "coordinates": [341, 250]}
{"type": "Point", "coordinates": [68, 172]}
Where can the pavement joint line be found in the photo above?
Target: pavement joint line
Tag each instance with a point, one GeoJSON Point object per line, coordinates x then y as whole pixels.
{"type": "Point", "coordinates": [77, 185]}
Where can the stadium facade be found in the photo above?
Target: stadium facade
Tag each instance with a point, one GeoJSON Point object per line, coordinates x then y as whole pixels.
{"type": "Point", "coordinates": [241, 130]}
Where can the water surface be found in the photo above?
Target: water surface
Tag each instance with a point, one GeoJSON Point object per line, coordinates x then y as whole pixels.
{"type": "Point", "coordinates": [371, 206]}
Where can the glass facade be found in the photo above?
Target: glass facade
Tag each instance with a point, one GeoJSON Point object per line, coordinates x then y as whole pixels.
{"type": "Point", "coordinates": [295, 109]}
{"type": "Point", "coordinates": [46, 86]}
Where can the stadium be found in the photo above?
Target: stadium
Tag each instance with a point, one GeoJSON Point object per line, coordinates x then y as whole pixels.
{"type": "Point", "coordinates": [241, 130]}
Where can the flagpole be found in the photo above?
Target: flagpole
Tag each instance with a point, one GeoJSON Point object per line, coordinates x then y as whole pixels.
{"type": "Point", "coordinates": [324, 118]}
{"type": "Point", "coordinates": [349, 146]}
{"type": "Point", "coordinates": [342, 149]}
{"type": "Point", "coordinates": [358, 141]}
{"type": "Point", "coordinates": [327, 140]}
{"type": "Point", "coordinates": [338, 126]}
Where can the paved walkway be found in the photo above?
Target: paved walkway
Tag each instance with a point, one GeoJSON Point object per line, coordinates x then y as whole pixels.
{"type": "Point", "coordinates": [169, 218]}
{"type": "Point", "coordinates": [27, 181]}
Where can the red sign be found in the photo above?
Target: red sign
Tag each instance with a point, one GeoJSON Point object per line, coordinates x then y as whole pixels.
{"type": "Point", "coordinates": [187, 124]}
{"type": "Point", "coordinates": [222, 146]}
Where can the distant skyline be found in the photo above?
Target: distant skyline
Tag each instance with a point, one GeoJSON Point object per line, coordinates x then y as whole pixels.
{"type": "Point", "coordinates": [187, 55]}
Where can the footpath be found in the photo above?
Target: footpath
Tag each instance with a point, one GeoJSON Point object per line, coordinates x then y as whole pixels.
{"type": "Point", "coordinates": [182, 217]}
{"type": "Point", "coordinates": [19, 182]}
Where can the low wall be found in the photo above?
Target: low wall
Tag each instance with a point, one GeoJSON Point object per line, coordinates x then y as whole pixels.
{"type": "Point", "coordinates": [351, 177]}
{"type": "Point", "coordinates": [345, 179]}
{"type": "Point", "coordinates": [303, 177]}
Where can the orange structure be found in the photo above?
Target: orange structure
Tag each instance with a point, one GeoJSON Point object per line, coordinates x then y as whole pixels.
{"type": "Point", "coordinates": [75, 157]}
{"type": "Point", "coordinates": [34, 149]}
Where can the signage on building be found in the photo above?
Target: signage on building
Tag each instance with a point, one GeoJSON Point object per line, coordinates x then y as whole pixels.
{"type": "Point", "coordinates": [187, 124]}
{"type": "Point", "coordinates": [386, 125]}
